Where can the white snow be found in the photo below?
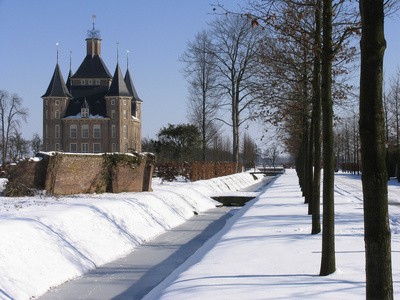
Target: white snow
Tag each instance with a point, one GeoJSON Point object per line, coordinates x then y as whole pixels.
{"type": "Point", "coordinates": [46, 241]}
{"type": "Point", "coordinates": [265, 251]}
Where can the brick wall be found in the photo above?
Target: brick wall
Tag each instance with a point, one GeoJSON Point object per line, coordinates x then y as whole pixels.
{"type": "Point", "coordinates": [65, 174]}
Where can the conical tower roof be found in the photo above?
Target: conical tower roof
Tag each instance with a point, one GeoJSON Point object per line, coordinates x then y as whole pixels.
{"type": "Point", "coordinates": [118, 86]}
{"type": "Point", "coordinates": [131, 87]}
{"type": "Point", "coordinates": [57, 87]}
{"type": "Point", "coordinates": [68, 84]}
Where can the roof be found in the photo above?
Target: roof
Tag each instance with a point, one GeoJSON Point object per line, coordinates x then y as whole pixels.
{"type": "Point", "coordinates": [68, 84]}
{"type": "Point", "coordinates": [94, 98]}
{"type": "Point", "coordinates": [131, 87]}
{"type": "Point", "coordinates": [92, 67]}
{"type": "Point", "coordinates": [118, 86]}
{"type": "Point", "coordinates": [57, 87]}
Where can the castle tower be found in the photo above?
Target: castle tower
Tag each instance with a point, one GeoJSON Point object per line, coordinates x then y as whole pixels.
{"type": "Point", "coordinates": [136, 113]}
{"type": "Point", "coordinates": [118, 101]}
{"type": "Point", "coordinates": [55, 103]}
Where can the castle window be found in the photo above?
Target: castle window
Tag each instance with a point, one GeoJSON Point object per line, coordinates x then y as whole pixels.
{"type": "Point", "coordinates": [113, 131]}
{"type": "Point", "coordinates": [97, 81]}
{"type": "Point", "coordinates": [124, 102]}
{"type": "Point", "coordinates": [72, 148]}
{"type": "Point", "coordinates": [125, 114]}
{"type": "Point", "coordinates": [57, 132]}
{"type": "Point", "coordinates": [90, 82]}
{"type": "Point", "coordinates": [57, 102]}
{"type": "Point", "coordinates": [112, 102]}
{"type": "Point", "coordinates": [47, 102]}
{"type": "Point", "coordinates": [125, 147]}
{"type": "Point", "coordinates": [113, 114]}
{"type": "Point", "coordinates": [85, 148]}
{"type": "Point", "coordinates": [47, 114]}
{"type": "Point", "coordinates": [73, 130]}
{"type": "Point", "coordinates": [125, 131]}
{"type": "Point", "coordinates": [114, 147]}
{"type": "Point", "coordinates": [57, 114]}
{"type": "Point", "coordinates": [47, 131]}
{"type": "Point", "coordinates": [57, 147]}
{"type": "Point", "coordinates": [85, 131]}
{"type": "Point", "coordinates": [83, 82]}
{"type": "Point", "coordinates": [134, 109]}
{"type": "Point", "coordinates": [96, 148]}
{"type": "Point", "coordinates": [96, 131]}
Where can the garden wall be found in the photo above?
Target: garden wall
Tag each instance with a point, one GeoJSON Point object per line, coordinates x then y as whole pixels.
{"type": "Point", "coordinates": [65, 174]}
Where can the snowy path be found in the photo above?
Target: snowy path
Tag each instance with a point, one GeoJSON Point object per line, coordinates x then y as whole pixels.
{"type": "Point", "coordinates": [267, 252]}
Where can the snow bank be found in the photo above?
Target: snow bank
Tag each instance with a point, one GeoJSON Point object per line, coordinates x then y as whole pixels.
{"type": "Point", "coordinates": [47, 241]}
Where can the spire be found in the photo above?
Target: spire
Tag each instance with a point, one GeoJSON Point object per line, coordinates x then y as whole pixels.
{"type": "Point", "coordinates": [70, 61]}
{"type": "Point", "coordinates": [57, 52]}
{"type": "Point", "coordinates": [128, 81]}
{"type": "Point", "coordinates": [118, 86]}
{"type": "Point", "coordinates": [131, 87]}
{"type": "Point", "coordinates": [57, 87]}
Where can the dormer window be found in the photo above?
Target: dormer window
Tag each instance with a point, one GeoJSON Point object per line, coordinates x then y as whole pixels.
{"type": "Point", "coordinates": [97, 82]}
{"type": "Point", "coordinates": [90, 82]}
{"type": "Point", "coordinates": [85, 109]}
{"type": "Point", "coordinates": [83, 82]}
{"type": "Point", "coordinates": [57, 102]}
{"type": "Point", "coordinates": [84, 112]}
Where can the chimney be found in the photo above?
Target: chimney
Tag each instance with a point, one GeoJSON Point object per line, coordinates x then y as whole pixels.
{"type": "Point", "coordinates": [93, 46]}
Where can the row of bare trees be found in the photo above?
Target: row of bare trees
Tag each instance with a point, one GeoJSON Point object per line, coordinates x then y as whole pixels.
{"type": "Point", "coordinates": [296, 71]}
{"type": "Point", "coordinates": [221, 67]}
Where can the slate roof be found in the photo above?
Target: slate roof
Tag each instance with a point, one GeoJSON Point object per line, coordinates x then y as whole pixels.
{"type": "Point", "coordinates": [68, 84]}
{"type": "Point", "coordinates": [118, 86]}
{"type": "Point", "coordinates": [92, 67]}
{"type": "Point", "coordinates": [94, 97]}
{"type": "Point", "coordinates": [57, 87]}
{"type": "Point", "coordinates": [131, 87]}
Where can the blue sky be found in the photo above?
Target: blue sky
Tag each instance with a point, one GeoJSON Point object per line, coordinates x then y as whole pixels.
{"type": "Point", "coordinates": [154, 31]}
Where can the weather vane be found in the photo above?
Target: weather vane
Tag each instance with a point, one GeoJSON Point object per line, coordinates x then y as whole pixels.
{"type": "Point", "coordinates": [94, 33]}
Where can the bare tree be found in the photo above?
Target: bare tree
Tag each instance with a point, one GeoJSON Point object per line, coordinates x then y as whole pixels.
{"type": "Point", "coordinates": [272, 154]}
{"type": "Point", "coordinates": [379, 284]}
{"type": "Point", "coordinates": [203, 96]}
{"type": "Point", "coordinates": [36, 143]}
{"type": "Point", "coordinates": [11, 114]}
{"type": "Point", "coordinates": [235, 46]}
{"type": "Point", "coordinates": [18, 147]}
{"type": "Point", "coordinates": [248, 151]}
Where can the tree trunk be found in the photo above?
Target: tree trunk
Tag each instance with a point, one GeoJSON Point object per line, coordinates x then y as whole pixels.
{"type": "Point", "coordinates": [374, 176]}
{"type": "Point", "coordinates": [316, 115]}
{"type": "Point", "coordinates": [328, 264]}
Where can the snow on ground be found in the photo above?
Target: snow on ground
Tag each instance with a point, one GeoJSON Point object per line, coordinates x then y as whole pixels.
{"type": "Point", "coordinates": [266, 250]}
{"type": "Point", "coordinates": [46, 241]}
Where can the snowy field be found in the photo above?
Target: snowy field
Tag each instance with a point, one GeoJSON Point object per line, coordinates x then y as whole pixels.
{"type": "Point", "coordinates": [46, 241]}
{"type": "Point", "coordinates": [266, 250]}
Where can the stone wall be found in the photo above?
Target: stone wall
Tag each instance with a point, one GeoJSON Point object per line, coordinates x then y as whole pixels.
{"type": "Point", "coordinates": [65, 174]}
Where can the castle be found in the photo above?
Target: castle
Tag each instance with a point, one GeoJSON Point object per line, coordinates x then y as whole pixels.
{"type": "Point", "coordinates": [93, 112]}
